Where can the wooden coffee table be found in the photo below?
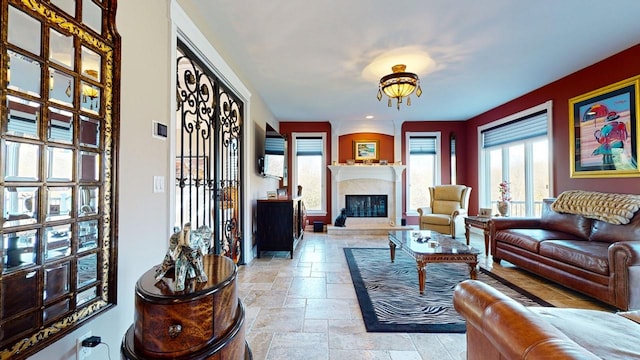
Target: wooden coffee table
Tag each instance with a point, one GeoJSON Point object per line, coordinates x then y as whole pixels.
{"type": "Point", "coordinates": [438, 249]}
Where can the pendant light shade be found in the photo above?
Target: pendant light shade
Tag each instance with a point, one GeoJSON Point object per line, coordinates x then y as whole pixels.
{"type": "Point", "coordinates": [399, 85]}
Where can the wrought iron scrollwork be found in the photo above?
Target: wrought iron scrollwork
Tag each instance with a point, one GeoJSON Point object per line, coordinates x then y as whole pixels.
{"type": "Point", "coordinates": [209, 187]}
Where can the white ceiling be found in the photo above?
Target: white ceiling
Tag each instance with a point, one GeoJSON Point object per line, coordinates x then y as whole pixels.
{"type": "Point", "coordinates": [307, 58]}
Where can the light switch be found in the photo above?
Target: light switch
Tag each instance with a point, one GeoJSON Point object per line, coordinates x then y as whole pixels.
{"type": "Point", "coordinates": [158, 184]}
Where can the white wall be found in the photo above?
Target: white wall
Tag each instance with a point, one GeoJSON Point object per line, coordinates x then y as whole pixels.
{"type": "Point", "coordinates": [144, 217]}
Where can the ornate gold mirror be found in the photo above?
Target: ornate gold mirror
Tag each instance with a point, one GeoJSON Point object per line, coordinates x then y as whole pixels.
{"type": "Point", "coordinates": [58, 148]}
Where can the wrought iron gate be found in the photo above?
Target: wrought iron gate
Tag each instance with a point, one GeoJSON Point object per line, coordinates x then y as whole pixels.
{"type": "Point", "coordinates": [209, 154]}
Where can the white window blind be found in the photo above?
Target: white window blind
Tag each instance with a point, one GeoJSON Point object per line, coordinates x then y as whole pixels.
{"type": "Point", "coordinates": [308, 146]}
{"type": "Point", "coordinates": [274, 145]}
{"type": "Point", "coordinates": [422, 145]}
{"type": "Point", "coordinates": [524, 128]}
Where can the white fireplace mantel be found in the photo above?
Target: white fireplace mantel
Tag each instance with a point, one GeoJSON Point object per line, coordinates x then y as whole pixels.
{"type": "Point", "coordinates": [391, 173]}
{"type": "Point", "coordinates": [378, 172]}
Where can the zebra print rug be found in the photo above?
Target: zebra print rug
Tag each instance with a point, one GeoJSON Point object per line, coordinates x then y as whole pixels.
{"type": "Point", "coordinates": [389, 296]}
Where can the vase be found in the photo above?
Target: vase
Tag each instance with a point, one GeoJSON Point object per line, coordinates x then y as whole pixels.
{"type": "Point", "coordinates": [504, 207]}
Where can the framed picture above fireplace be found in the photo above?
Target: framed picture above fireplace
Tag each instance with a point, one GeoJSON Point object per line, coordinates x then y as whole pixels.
{"type": "Point", "coordinates": [366, 150]}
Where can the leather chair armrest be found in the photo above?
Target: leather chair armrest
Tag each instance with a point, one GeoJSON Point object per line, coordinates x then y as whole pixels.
{"type": "Point", "coordinates": [425, 210]}
{"type": "Point", "coordinates": [500, 223]}
{"type": "Point", "coordinates": [513, 330]}
{"type": "Point", "coordinates": [626, 252]}
{"type": "Point", "coordinates": [624, 264]}
{"type": "Point", "coordinates": [458, 212]}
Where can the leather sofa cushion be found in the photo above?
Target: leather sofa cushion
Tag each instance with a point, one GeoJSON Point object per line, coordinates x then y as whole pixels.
{"type": "Point", "coordinates": [573, 224]}
{"type": "Point", "coordinates": [529, 239]}
{"type": "Point", "coordinates": [584, 254]}
{"type": "Point", "coordinates": [607, 232]}
{"type": "Point", "coordinates": [607, 335]}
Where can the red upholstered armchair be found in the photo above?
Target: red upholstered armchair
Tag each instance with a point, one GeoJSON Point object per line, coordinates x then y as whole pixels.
{"type": "Point", "coordinates": [447, 210]}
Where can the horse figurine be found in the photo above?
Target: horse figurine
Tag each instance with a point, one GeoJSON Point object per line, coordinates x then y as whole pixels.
{"type": "Point", "coordinates": [185, 254]}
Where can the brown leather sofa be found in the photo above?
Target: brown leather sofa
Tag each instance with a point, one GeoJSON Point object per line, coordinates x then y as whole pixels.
{"type": "Point", "coordinates": [594, 257]}
{"type": "Point", "coordinates": [499, 327]}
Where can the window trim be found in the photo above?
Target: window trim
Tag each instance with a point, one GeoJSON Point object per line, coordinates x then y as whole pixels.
{"type": "Point", "coordinates": [323, 180]}
{"type": "Point", "coordinates": [438, 165]}
{"type": "Point", "coordinates": [484, 185]}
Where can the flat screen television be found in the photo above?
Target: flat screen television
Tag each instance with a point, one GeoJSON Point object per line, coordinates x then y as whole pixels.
{"type": "Point", "coordinates": [272, 164]}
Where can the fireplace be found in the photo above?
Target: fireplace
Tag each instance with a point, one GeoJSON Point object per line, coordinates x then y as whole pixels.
{"type": "Point", "coordinates": [366, 206]}
{"type": "Point", "coordinates": [367, 182]}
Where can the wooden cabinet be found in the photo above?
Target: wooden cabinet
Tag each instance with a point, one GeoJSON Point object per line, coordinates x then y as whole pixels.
{"type": "Point", "coordinates": [280, 224]}
{"type": "Point", "coordinates": [203, 322]}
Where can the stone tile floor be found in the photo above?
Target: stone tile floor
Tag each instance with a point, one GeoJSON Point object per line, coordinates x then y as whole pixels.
{"type": "Point", "coordinates": [306, 307]}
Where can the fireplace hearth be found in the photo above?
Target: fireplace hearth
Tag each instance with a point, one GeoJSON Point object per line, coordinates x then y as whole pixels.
{"type": "Point", "coordinates": [366, 206]}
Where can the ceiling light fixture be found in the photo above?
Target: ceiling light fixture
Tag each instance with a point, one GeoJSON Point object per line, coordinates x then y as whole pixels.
{"type": "Point", "coordinates": [398, 85]}
{"type": "Point", "coordinates": [90, 92]}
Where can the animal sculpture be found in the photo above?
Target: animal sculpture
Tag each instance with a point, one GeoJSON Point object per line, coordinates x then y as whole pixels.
{"type": "Point", "coordinates": [185, 256]}
{"type": "Point", "coordinates": [342, 218]}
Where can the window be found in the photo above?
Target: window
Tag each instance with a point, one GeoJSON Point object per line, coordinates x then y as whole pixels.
{"type": "Point", "coordinates": [310, 170]}
{"type": "Point", "coordinates": [516, 149]}
{"type": "Point", "coordinates": [423, 168]}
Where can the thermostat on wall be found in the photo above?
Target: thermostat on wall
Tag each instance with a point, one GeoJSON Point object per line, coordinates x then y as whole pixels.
{"type": "Point", "coordinates": [159, 130]}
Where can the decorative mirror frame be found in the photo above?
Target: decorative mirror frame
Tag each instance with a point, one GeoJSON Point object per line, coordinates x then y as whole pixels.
{"type": "Point", "coordinates": [63, 289]}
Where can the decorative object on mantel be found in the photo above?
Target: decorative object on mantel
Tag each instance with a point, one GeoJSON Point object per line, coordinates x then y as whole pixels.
{"type": "Point", "coordinates": [384, 162]}
{"type": "Point", "coordinates": [350, 161]}
{"type": "Point", "coordinates": [504, 203]}
{"type": "Point", "coordinates": [186, 249]}
{"type": "Point", "coordinates": [341, 219]}
{"type": "Point", "coordinates": [366, 150]}
{"type": "Point", "coordinates": [398, 85]}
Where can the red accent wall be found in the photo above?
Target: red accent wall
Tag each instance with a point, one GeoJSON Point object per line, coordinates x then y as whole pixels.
{"type": "Point", "coordinates": [606, 72]}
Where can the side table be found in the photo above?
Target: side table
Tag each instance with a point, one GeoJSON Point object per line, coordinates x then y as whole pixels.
{"type": "Point", "coordinates": [480, 223]}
